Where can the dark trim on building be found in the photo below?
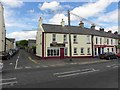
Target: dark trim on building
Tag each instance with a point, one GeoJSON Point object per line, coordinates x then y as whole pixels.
{"type": "Point", "coordinates": [58, 57]}
{"type": "Point", "coordinates": [92, 36]}
{"type": "Point", "coordinates": [42, 45]}
{"type": "Point", "coordinates": [96, 46]}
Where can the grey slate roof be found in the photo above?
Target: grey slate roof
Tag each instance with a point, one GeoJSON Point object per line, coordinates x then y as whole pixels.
{"type": "Point", "coordinates": [49, 28]}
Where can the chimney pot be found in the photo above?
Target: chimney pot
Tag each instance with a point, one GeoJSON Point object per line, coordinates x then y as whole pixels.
{"type": "Point", "coordinates": [81, 24]}
{"type": "Point", "coordinates": [93, 26]}
{"type": "Point", "coordinates": [101, 29]}
{"type": "Point", "coordinates": [115, 32]}
{"type": "Point", "coordinates": [40, 21]}
{"type": "Point", "coordinates": [63, 23]}
{"type": "Point", "coordinates": [109, 31]}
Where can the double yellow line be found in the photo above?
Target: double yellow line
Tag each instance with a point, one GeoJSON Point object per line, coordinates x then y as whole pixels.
{"type": "Point", "coordinates": [33, 60]}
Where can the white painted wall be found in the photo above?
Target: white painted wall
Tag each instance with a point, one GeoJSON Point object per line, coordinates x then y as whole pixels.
{"type": "Point", "coordinates": [39, 40]}
{"type": "Point", "coordinates": [104, 42]}
{"type": "Point", "coordinates": [81, 39]}
{"type": "Point", "coordinates": [2, 29]}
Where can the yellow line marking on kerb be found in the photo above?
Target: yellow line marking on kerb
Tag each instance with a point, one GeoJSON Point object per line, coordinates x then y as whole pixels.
{"type": "Point", "coordinates": [32, 60]}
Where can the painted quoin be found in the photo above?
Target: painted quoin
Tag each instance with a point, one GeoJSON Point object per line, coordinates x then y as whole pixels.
{"type": "Point", "coordinates": [52, 41]}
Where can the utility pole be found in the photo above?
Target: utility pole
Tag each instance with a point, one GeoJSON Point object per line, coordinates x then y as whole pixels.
{"type": "Point", "coordinates": [70, 46]}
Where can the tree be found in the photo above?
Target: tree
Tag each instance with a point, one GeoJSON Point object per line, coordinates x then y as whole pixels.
{"type": "Point", "coordinates": [22, 43]}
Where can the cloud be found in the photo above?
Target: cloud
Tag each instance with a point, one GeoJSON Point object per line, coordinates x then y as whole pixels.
{"type": "Point", "coordinates": [54, 5]}
{"type": "Point", "coordinates": [109, 17]}
{"type": "Point", "coordinates": [112, 28]}
{"type": "Point", "coordinates": [31, 11]}
{"type": "Point", "coordinates": [56, 19]}
{"type": "Point", "coordinates": [22, 35]}
{"type": "Point", "coordinates": [12, 3]}
{"type": "Point", "coordinates": [85, 11]}
{"type": "Point", "coordinates": [91, 9]}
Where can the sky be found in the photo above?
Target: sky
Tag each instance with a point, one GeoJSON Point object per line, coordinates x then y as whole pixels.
{"type": "Point", "coordinates": [21, 16]}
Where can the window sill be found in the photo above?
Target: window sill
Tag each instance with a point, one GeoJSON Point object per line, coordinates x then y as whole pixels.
{"type": "Point", "coordinates": [65, 42]}
{"type": "Point", "coordinates": [88, 43]}
{"type": "Point", "coordinates": [75, 42]}
{"type": "Point", "coordinates": [75, 54]}
{"type": "Point", "coordinates": [82, 54]}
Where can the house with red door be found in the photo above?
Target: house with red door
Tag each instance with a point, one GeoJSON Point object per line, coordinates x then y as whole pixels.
{"type": "Point", "coordinates": [52, 41]}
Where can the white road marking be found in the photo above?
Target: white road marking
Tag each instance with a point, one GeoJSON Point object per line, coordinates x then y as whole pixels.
{"type": "Point", "coordinates": [19, 68]}
{"type": "Point", "coordinates": [18, 57]}
{"type": "Point", "coordinates": [9, 83]}
{"type": "Point", "coordinates": [112, 65]}
{"type": "Point", "coordinates": [76, 73]}
{"type": "Point", "coordinates": [37, 66]}
{"type": "Point", "coordinates": [73, 71]}
{"type": "Point", "coordinates": [53, 65]}
{"type": "Point", "coordinates": [115, 66]}
{"type": "Point", "coordinates": [44, 66]}
{"type": "Point", "coordinates": [11, 63]}
{"type": "Point", "coordinates": [7, 79]}
{"type": "Point", "coordinates": [16, 63]}
{"type": "Point", "coordinates": [28, 67]}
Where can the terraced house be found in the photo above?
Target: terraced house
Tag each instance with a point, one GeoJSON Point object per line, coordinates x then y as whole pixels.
{"type": "Point", "coordinates": [52, 41]}
{"type": "Point", "coordinates": [2, 29]}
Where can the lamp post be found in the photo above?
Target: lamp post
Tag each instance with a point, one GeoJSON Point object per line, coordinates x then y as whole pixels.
{"type": "Point", "coordinates": [70, 46]}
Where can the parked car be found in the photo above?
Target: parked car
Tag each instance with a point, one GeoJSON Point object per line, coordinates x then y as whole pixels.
{"type": "Point", "coordinates": [108, 55]}
{"type": "Point", "coordinates": [10, 52]}
{"type": "Point", "coordinates": [118, 55]}
{"type": "Point", "coordinates": [1, 65]}
{"type": "Point", "coordinates": [4, 55]}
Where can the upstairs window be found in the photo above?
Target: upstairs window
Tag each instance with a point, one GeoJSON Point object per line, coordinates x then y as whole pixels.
{"type": "Point", "coordinates": [88, 39]}
{"type": "Point", "coordinates": [54, 37]}
{"type": "Point", "coordinates": [111, 41]}
{"type": "Point", "coordinates": [107, 41]}
{"type": "Point", "coordinates": [96, 40]}
{"type": "Point", "coordinates": [100, 40]}
{"type": "Point", "coordinates": [74, 38]}
{"type": "Point", "coordinates": [65, 38]}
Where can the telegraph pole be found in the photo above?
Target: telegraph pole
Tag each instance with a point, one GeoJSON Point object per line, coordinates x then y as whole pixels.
{"type": "Point", "coordinates": [70, 46]}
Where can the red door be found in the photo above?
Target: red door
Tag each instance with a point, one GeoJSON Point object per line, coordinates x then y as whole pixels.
{"type": "Point", "coordinates": [61, 53]}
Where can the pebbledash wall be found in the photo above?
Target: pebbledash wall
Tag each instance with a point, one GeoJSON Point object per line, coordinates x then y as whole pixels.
{"type": "Point", "coordinates": [52, 41]}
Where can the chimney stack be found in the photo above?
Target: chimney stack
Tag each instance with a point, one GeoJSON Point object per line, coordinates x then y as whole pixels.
{"type": "Point", "coordinates": [63, 23]}
{"type": "Point", "coordinates": [109, 31]}
{"type": "Point", "coordinates": [81, 24]}
{"type": "Point", "coordinates": [116, 32]}
{"type": "Point", "coordinates": [101, 29]}
{"type": "Point", "coordinates": [40, 21]}
{"type": "Point", "coordinates": [93, 27]}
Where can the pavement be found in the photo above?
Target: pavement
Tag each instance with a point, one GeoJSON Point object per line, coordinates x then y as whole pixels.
{"type": "Point", "coordinates": [66, 61]}
{"type": "Point", "coordinates": [25, 60]}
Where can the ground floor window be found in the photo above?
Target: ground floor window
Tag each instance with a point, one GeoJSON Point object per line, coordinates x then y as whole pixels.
{"type": "Point", "coordinates": [82, 51]}
{"type": "Point", "coordinates": [88, 50]}
{"type": "Point", "coordinates": [75, 50]}
{"type": "Point", "coordinates": [112, 49]}
{"type": "Point", "coordinates": [107, 49]}
{"type": "Point", "coordinates": [53, 52]}
{"type": "Point", "coordinates": [102, 50]}
{"type": "Point", "coordinates": [66, 51]}
{"type": "Point", "coordinates": [95, 51]}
